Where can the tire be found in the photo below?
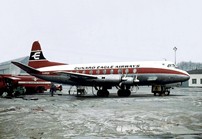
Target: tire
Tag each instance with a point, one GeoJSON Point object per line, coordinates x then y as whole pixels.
{"type": "Point", "coordinates": [106, 94]}
{"type": "Point", "coordinates": [102, 93]}
{"type": "Point", "coordinates": [120, 93]}
{"type": "Point", "coordinates": [99, 93]}
{"type": "Point", "coordinates": [127, 93]}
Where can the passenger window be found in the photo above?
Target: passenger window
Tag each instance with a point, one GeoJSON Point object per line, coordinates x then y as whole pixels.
{"type": "Point", "coordinates": [98, 71]}
{"type": "Point", "coordinates": [111, 71]}
{"type": "Point", "coordinates": [134, 70]}
{"type": "Point", "coordinates": [104, 71]}
{"type": "Point", "coordinates": [90, 72]}
{"type": "Point", "coordinates": [126, 71]}
{"type": "Point", "coordinates": [119, 71]}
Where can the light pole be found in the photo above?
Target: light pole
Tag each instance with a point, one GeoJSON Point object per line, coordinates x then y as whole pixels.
{"type": "Point", "coordinates": [175, 49]}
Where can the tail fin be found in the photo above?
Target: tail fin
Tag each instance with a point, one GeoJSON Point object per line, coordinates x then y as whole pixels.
{"type": "Point", "coordinates": [37, 59]}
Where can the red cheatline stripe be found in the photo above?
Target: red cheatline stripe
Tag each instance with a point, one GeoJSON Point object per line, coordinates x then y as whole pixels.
{"type": "Point", "coordinates": [123, 71]}
{"type": "Point", "coordinates": [157, 70]}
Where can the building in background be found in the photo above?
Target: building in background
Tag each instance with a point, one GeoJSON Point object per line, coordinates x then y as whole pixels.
{"type": "Point", "coordinates": [8, 68]}
{"type": "Point", "coordinates": [195, 78]}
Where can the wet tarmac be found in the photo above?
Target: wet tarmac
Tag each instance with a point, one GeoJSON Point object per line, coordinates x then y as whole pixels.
{"type": "Point", "coordinates": [141, 115]}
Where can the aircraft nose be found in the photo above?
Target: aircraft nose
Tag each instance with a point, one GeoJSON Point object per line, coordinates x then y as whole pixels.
{"type": "Point", "coordinates": [186, 77]}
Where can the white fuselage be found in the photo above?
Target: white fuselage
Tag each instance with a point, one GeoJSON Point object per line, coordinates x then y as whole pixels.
{"type": "Point", "coordinates": [131, 73]}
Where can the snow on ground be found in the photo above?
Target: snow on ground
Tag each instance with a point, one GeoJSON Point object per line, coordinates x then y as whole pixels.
{"type": "Point", "coordinates": [141, 115]}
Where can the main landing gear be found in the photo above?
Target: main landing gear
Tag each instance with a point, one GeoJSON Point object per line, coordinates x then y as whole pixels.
{"type": "Point", "coordinates": [103, 92]}
{"type": "Point", "coordinates": [124, 91]}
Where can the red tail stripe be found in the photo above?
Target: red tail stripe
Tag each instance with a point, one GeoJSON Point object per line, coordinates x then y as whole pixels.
{"type": "Point", "coordinates": [36, 46]}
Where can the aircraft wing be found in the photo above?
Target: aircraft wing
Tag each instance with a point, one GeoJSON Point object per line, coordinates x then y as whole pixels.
{"type": "Point", "coordinates": [76, 76]}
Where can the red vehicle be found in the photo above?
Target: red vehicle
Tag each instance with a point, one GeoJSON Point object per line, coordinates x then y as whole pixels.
{"type": "Point", "coordinates": [21, 84]}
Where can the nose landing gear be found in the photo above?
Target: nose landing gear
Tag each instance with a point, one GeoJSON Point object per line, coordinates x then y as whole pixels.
{"type": "Point", "coordinates": [160, 90]}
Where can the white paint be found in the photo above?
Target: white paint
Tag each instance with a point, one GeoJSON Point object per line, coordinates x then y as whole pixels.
{"type": "Point", "coordinates": [198, 78]}
{"type": "Point", "coordinates": [142, 64]}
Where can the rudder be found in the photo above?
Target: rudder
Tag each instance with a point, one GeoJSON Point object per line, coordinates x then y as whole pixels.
{"type": "Point", "coordinates": [37, 59]}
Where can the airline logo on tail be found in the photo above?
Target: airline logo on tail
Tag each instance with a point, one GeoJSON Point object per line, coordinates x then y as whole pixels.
{"type": "Point", "coordinates": [36, 55]}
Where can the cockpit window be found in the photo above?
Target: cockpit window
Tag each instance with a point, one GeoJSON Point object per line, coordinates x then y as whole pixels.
{"type": "Point", "coordinates": [171, 66]}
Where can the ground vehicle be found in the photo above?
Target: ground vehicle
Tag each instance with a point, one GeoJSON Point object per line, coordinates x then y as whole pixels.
{"type": "Point", "coordinates": [21, 84]}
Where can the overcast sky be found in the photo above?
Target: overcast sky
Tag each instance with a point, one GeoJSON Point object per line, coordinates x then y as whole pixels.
{"type": "Point", "coordinates": [91, 31]}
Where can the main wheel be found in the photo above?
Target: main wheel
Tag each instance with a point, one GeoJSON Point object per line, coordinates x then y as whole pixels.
{"type": "Point", "coordinates": [127, 93]}
{"type": "Point", "coordinates": [120, 93]}
{"type": "Point", "coordinates": [124, 93]}
{"type": "Point", "coordinates": [106, 93]}
{"type": "Point", "coordinates": [99, 93]}
{"type": "Point", "coordinates": [102, 93]}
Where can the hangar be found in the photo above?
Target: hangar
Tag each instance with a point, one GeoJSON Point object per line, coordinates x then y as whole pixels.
{"type": "Point", "coordinates": [8, 68]}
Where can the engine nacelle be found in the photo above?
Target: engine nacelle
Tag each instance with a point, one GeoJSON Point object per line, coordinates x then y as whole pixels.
{"type": "Point", "coordinates": [109, 78]}
{"type": "Point", "coordinates": [127, 81]}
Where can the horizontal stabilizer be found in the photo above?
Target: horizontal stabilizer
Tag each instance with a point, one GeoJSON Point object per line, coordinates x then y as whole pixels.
{"type": "Point", "coordinates": [25, 67]}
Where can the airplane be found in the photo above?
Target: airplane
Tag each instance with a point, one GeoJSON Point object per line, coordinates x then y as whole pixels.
{"type": "Point", "coordinates": [161, 75]}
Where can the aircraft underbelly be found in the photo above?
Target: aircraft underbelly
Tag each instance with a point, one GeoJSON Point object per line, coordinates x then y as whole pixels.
{"type": "Point", "coordinates": [160, 79]}
{"type": "Point", "coordinates": [143, 79]}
